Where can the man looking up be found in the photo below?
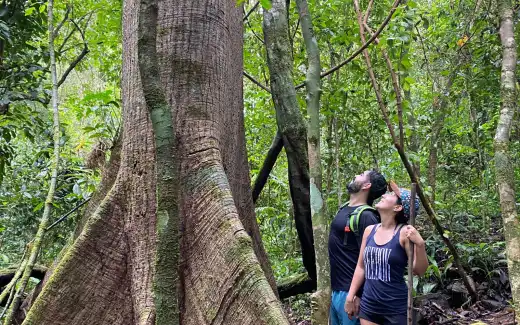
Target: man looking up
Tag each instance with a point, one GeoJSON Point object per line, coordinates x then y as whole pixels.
{"type": "Point", "coordinates": [346, 234]}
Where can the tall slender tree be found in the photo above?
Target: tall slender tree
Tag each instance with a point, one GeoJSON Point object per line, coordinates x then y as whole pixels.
{"type": "Point", "coordinates": [35, 246]}
{"type": "Point", "coordinates": [291, 124]}
{"type": "Point", "coordinates": [503, 167]}
{"type": "Point", "coordinates": [321, 297]}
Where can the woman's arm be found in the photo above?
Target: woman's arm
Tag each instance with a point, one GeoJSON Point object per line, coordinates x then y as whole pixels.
{"type": "Point", "coordinates": [359, 276]}
{"type": "Point", "coordinates": [420, 263]}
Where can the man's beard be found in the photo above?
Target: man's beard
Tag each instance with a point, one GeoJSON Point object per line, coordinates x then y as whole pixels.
{"type": "Point", "coordinates": [354, 187]}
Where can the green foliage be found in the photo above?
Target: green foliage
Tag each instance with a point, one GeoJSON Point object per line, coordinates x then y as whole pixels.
{"type": "Point", "coordinates": [89, 111]}
{"type": "Point", "coordinates": [23, 54]}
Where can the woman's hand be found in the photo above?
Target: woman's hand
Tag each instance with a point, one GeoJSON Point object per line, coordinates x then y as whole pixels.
{"type": "Point", "coordinates": [413, 235]}
{"type": "Point", "coordinates": [352, 306]}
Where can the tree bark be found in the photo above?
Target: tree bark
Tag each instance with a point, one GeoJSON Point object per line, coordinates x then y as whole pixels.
{"type": "Point", "coordinates": [290, 124]}
{"type": "Point", "coordinates": [166, 277]}
{"type": "Point", "coordinates": [321, 298]}
{"type": "Point", "coordinates": [503, 167]}
{"type": "Point", "coordinates": [106, 275]}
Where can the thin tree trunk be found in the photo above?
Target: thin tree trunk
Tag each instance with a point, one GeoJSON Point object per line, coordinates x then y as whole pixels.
{"type": "Point", "coordinates": [339, 189]}
{"type": "Point", "coordinates": [434, 143]}
{"type": "Point", "coordinates": [330, 159]}
{"type": "Point", "coordinates": [439, 106]}
{"type": "Point", "coordinates": [503, 167]}
{"type": "Point", "coordinates": [476, 135]}
{"type": "Point", "coordinates": [321, 298]}
{"type": "Point", "coordinates": [35, 246]}
{"type": "Point", "coordinates": [415, 145]}
{"type": "Point", "coordinates": [166, 280]}
{"type": "Point", "coordinates": [106, 276]}
{"type": "Point", "coordinates": [291, 125]}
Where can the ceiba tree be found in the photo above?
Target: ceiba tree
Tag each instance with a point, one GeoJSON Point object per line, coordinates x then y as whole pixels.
{"type": "Point", "coordinates": [107, 274]}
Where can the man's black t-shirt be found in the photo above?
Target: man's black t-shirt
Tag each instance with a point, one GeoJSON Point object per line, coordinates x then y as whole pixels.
{"type": "Point", "coordinates": [344, 256]}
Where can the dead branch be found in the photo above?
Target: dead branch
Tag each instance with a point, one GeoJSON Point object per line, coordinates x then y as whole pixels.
{"type": "Point", "coordinates": [253, 31]}
{"type": "Point", "coordinates": [367, 13]}
{"type": "Point", "coordinates": [78, 59]}
{"type": "Point", "coordinates": [69, 35]}
{"type": "Point", "coordinates": [256, 82]}
{"type": "Point", "coordinates": [395, 84]}
{"type": "Point", "coordinates": [62, 218]}
{"type": "Point", "coordinates": [60, 25]}
{"type": "Point", "coordinates": [251, 11]}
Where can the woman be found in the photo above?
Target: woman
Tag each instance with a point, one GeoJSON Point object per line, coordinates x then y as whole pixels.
{"type": "Point", "coordinates": [382, 261]}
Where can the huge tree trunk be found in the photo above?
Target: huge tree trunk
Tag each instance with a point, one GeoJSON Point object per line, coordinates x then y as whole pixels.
{"type": "Point", "coordinates": [291, 124]}
{"type": "Point", "coordinates": [503, 167]}
{"type": "Point", "coordinates": [106, 276]}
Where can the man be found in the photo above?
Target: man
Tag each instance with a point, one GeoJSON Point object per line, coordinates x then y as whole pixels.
{"type": "Point", "coordinates": [345, 238]}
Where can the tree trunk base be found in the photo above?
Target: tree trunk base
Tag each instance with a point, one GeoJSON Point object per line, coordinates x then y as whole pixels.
{"type": "Point", "coordinates": [320, 304]}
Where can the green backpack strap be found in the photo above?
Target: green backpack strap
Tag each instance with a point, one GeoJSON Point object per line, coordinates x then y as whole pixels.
{"type": "Point", "coordinates": [342, 206]}
{"type": "Point", "coordinates": [354, 216]}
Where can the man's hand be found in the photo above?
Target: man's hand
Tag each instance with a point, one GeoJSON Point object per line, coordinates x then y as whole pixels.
{"type": "Point", "coordinates": [352, 306]}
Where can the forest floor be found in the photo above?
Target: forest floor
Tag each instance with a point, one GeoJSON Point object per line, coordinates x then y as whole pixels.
{"type": "Point", "coordinates": [477, 314]}
{"type": "Point", "coordinates": [434, 314]}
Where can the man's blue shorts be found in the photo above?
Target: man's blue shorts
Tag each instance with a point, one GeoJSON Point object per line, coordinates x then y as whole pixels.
{"type": "Point", "coordinates": [338, 316]}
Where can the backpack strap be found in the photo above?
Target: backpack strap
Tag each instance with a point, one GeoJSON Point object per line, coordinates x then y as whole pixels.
{"type": "Point", "coordinates": [342, 206]}
{"type": "Point", "coordinates": [354, 216]}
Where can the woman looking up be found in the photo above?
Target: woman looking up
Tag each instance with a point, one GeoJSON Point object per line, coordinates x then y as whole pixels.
{"type": "Point", "coordinates": [382, 260]}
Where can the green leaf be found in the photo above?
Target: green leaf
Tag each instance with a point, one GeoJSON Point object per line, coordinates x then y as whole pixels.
{"type": "Point", "coordinates": [29, 11]}
{"type": "Point", "coordinates": [38, 207]}
{"type": "Point", "coordinates": [409, 80]}
{"type": "Point", "coordinates": [406, 63]}
{"type": "Point", "coordinates": [411, 4]}
{"type": "Point", "coordinates": [266, 4]}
